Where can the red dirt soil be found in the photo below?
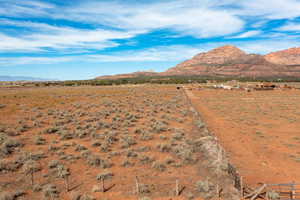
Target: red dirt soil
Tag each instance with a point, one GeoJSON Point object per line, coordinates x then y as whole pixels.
{"type": "Point", "coordinates": [260, 130]}
{"type": "Point", "coordinates": [83, 105]}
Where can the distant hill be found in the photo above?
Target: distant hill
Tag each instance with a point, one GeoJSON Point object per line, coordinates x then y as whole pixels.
{"type": "Point", "coordinates": [230, 61]}
{"type": "Point", "coordinates": [129, 75]}
{"type": "Point", "coordinates": [21, 78]}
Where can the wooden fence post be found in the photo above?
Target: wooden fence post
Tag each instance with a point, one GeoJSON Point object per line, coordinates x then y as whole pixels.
{"type": "Point", "coordinates": [242, 187]}
{"type": "Point", "coordinates": [177, 188]}
{"type": "Point", "coordinates": [293, 191]}
{"type": "Point", "coordinates": [137, 185]}
{"type": "Point", "coordinates": [103, 186]}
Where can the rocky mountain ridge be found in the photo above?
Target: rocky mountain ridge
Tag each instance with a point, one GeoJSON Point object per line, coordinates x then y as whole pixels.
{"type": "Point", "coordinates": [231, 61]}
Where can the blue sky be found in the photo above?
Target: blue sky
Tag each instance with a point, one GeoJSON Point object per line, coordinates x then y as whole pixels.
{"type": "Point", "coordinates": [82, 39]}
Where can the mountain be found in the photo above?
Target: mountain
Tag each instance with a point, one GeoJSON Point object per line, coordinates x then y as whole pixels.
{"type": "Point", "coordinates": [129, 75]}
{"type": "Point", "coordinates": [20, 78]}
{"type": "Point", "coordinates": [231, 61]}
{"type": "Point", "coordinates": [286, 57]}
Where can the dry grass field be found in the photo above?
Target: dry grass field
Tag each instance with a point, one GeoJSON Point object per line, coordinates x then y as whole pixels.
{"type": "Point", "coordinates": [62, 142]}
{"type": "Point", "coordinates": [260, 130]}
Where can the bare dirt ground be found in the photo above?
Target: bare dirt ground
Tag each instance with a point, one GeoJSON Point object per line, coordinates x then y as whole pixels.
{"type": "Point", "coordinates": [260, 130]}
{"type": "Point", "coordinates": [70, 136]}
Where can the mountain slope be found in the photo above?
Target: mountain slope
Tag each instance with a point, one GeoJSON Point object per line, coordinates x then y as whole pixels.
{"type": "Point", "coordinates": [286, 57]}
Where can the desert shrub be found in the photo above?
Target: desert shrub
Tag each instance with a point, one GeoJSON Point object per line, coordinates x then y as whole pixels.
{"type": "Point", "coordinates": [131, 153]}
{"type": "Point", "coordinates": [80, 148]}
{"type": "Point", "coordinates": [39, 140]}
{"type": "Point", "coordinates": [50, 191]}
{"type": "Point", "coordinates": [190, 196]}
{"type": "Point", "coordinates": [115, 153]}
{"type": "Point", "coordinates": [54, 142]}
{"type": "Point", "coordinates": [105, 175]}
{"type": "Point", "coordinates": [138, 131]}
{"type": "Point", "coordinates": [77, 196]}
{"type": "Point", "coordinates": [74, 195]}
{"type": "Point", "coordinates": [128, 141]}
{"type": "Point", "coordinates": [146, 136]}
{"type": "Point", "coordinates": [163, 137]}
{"type": "Point", "coordinates": [110, 137]}
{"type": "Point", "coordinates": [145, 198]}
{"type": "Point", "coordinates": [143, 149]}
{"type": "Point", "coordinates": [8, 145]}
{"type": "Point", "coordinates": [273, 195]}
{"type": "Point", "coordinates": [96, 144]}
{"type": "Point", "coordinates": [127, 163]}
{"type": "Point", "coordinates": [37, 188]}
{"type": "Point", "coordinates": [66, 135]}
{"type": "Point", "coordinates": [169, 160]}
{"type": "Point", "coordinates": [159, 127]}
{"type": "Point", "coordinates": [98, 162]}
{"type": "Point", "coordinates": [38, 155]}
{"type": "Point", "coordinates": [144, 189]}
{"type": "Point", "coordinates": [200, 124]}
{"type": "Point", "coordinates": [81, 134]}
{"type": "Point", "coordinates": [51, 130]}
{"type": "Point", "coordinates": [9, 166]}
{"type": "Point", "coordinates": [159, 166]}
{"type": "Point", "coordinates": [105, 147]}
{"type": "Point", "coordinates": [13, 133]}
{"type": "Point", "coordinates": [206, 188]}
{"type": "Point", "coordinates": [96, 188]}
{"type": "Point", "coordinates": [178, 136]}
{"type": "Point", "coordinates": [31, 166]}
{"type": "Point", "coordinates": [85, 154]}
{"type": "Point", "coordinates": [185, 153]}
{"type": "Point", "coordinates": [144, 159]}
{"type": "Point", "coordinates": [164, 147]}
{"type": "Point", "coordinates": [23, 128]}
{"type": "Point", "coordinates": [95, 135]}
{"type": "Point", "coordinates": [53, 164]}
{"type": "Point", "coordinates": [3, 136]}
{"type": "Point", "coordinates": [87, 197]}
{"type": "Point", "coordinates": [11, 195]}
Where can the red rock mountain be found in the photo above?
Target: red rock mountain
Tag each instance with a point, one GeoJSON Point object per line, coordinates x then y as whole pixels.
{"type": "Point", "coordinates": [286, 57]}
{"type": "Point", "coordinates": [231, 61]}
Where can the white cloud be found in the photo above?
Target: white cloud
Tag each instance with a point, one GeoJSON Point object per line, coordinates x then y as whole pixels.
{"type": "Point", "coordinates": [275, 9]}
{"type": "Point", "coordinates": [200, 19]}
{"type": "Point", "coordinates": [160, 53]}
{"type": "Point", "coordinates": [12, 61]}
{"type": "Point", "coordinates": [290, 27]}
{"type": "Point", "coordinates": [59, 38]}
{"type": "Point", "coordinates": [15, 8]}
{"type": "Point", "coordinates": [247, 34]}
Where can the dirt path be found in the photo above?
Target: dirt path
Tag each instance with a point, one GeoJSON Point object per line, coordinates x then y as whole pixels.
{"type": "Point", "coordinates": [257, 159]}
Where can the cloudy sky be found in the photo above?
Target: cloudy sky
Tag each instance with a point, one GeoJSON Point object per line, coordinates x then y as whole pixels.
{"type": "Point", "coordinates": [82, 39]}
